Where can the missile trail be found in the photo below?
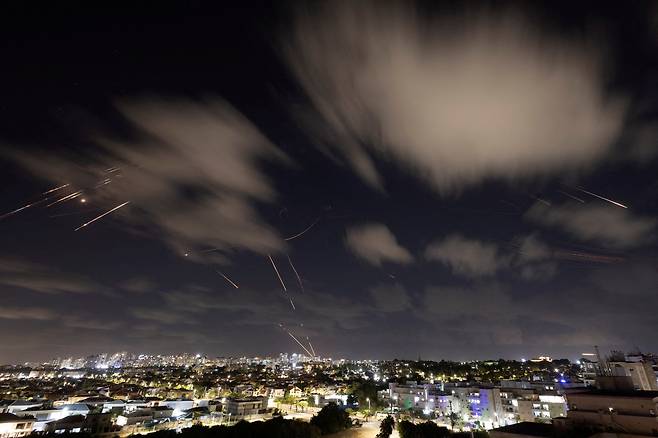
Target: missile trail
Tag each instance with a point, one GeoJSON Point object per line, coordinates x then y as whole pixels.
{"type": "Point", "coordinates": [299, 279]}
{"type": "Point", "coordinates": [602, 198]}
{"type": "Point", "coordinates": [66, 198]}
{"type": "Point", "coordinates": [300, 344]}
{"type": "Point", "coordinates": [305, 230]}
{"type": "Point", "coordinates": [575, 198]}
{"type": "Point", "coordinates": [277, 273]}
{"type": "Point", "coordinates": [23, 208]}
{"type": "Point", "coordinates": [55, 189]}
{"type": "Point", "coordinates": [102, 215]}
{"type": "Point", "coordinates": [311, 345]}
{"type": "Point", "coordinates": [228, 279]}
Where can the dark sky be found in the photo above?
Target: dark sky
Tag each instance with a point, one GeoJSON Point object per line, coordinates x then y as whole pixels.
{"type": "Point", "coordinates": [442, 154]}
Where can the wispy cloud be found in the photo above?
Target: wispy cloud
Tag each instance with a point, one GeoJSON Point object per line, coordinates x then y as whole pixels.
{"type": "Point", "coordinates": [468, 257]}
{"type": "Point", "coordinates": [190, 170]}
{"type": "Point", "coordinates": [19, 273]}
{"type": "Point", "coordinates": [375, 243]}
{"type": "Point", "coordinates": [390, 298]}
{"type": "Point", "coordinates": [456, 100]}
{"type": "Point", "coordinates": [35, 313]}
{"type": "Point", "coordinates": [610, 226]}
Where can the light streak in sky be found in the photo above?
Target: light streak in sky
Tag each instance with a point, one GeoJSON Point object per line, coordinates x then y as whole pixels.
{"type": "Point", "coordinates": [106, 181]}
{"type": "Point", "coordinates": [586, 257]}
{"type": "Point", "coordinates": [66, 198]}
{"type": "Point", "coordinates": [311, 345]}
{"type": "Point", "coordinates": [55, 189]}
{"type": "Point", "coordinates": [543, 201]}
{"type": "Point", "coordinates": [305, 230]}
{"type": "Point", "coordinates": [292, 304]}
{"type": "Point", "coordinates": [102, 215]}
{"type": "Point", "coordinates": [228, 279]}
{"type": "Point", "coordinates": [299, 279]}
{"type": "Point", "coordinates": [23, 208]}
{"type": "Point", "coordinates": [602, 198]}
{"type": "Point", "coordinates": [582, 201]}
{"type": "Point", "coordinates": [300, 344]}
{"type": "Point", "coordinates": [277, 273]}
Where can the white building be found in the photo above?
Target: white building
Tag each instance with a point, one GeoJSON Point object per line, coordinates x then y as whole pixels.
{"type": "Point", "coordinates": [12, 426]}
{"type": "Point", "coordinates": [44, 416]}
{"type": "Point", "coordinates": [21, 405]}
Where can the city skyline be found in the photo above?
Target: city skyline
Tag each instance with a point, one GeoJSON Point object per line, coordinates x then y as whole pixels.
{"type": "Point", "coordinates": [346, 179]}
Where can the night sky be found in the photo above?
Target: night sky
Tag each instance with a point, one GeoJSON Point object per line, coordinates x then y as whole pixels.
{"type": "Point", "coordinates": [436, 159]}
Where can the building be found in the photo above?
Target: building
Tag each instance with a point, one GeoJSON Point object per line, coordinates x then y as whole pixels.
{"type": "Point", "coordinates": [629, 412]}
{"type": "Point", "coordinates": [426, 398]}
{"type": "Point", "coordinates": [98, 423]}
{"type": "Point", "coordinates": [480, 406]}
{"type": "Point", "coordinates": [242, 407]}
{"type": "Point", "coordinates": [71, 424]}
{"type": "Point", "coordinates": [523, 430]}
{"type": "Point", "coordinates": [21, 405]}
{"type": "Point", "coordinates": [43, 416]}
{"type": "Point", "coordinates": [12, 426]}
{"type": "Point", "coordinates": [179, 407]}
{"type": "Point", "coordinates": [137, 417]}
{"type": "Point", "coordinates": [641, 373]}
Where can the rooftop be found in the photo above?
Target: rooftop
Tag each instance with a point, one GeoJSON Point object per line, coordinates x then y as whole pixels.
{"type": "Point", "coordinates": [611, 393]}
{"type": "Point", "coordinates": [528, 428]}
{"type": "Point", "coordinates": [11, 418]}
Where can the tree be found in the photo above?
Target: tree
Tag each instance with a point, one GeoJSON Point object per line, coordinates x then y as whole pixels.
{"type": "Point", "coordinates": [407, 429]}
{"type": "Point", "coordinates": [331, 419]}
{"type": "Point", "coordinates": [428, 429]}
{"type": "Point", "coordinates": [386, 427]}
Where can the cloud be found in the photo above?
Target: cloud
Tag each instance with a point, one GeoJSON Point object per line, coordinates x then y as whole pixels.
{"type": "Point", "coordinates": [532, 249]}
{"type": "Point", "coordinates": [390, 298]}
{"type": "Point", "coordinates": [610, 226]}
{"type": "Point", "coordinates": [37, 278]}
{"type": "Point", "coordinates": [138, 285]}
{"type": "Point", "coordinates": [190, 170]}
{"type": "Point", "coordinates": [467, 257]}
{"type": "Point", "coordinates": [539, 271]}
{"type": "Point", "coordinates": [375, 243]}
{"type": "Point", "coordinates": [533, 259]}
{"type": "Point", "coordinates": [36, 313]}
{"type": "Point", "coordinates": [164, 316]}
{"type": "Point", "coordinates": [455, 100]}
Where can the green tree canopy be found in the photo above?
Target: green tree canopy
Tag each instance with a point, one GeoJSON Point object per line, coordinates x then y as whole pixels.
{"type": "Point", "coordinates": [331, 419]}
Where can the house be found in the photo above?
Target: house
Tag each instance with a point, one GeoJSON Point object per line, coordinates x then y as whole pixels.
{"type": "Point", "coordinates": [71, 424]}
{"type": "Point", "coordinates": [241, 407]}
{"type": "Point", "coordinates": [98, 423]}
{"type": "Point", "coordinates": [21, 405]}
{"type": "Point", "coordinates": [43, 416]}
{"type": "Point", "coordinates": [12, 426]}
{"type": "Point", "coordinates": [137, 417]}
{"type": "Point", "coordinates": [296, 392]}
